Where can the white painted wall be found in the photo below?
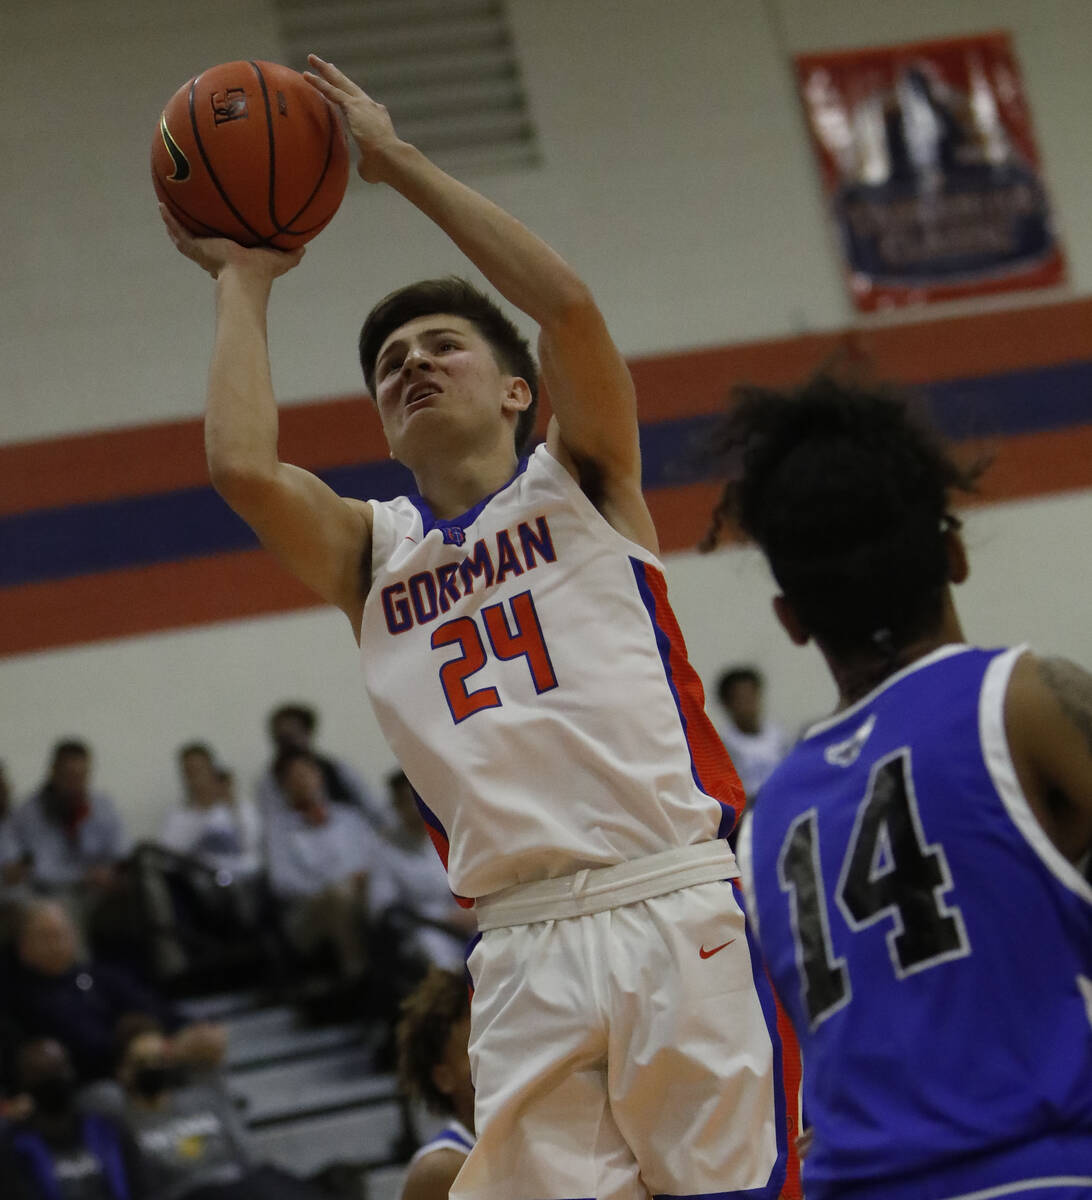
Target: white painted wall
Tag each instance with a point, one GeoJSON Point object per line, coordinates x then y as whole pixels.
{"type": "Point", "coordinates": [676, 176]}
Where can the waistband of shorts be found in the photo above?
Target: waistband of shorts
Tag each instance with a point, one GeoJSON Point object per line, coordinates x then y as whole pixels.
{"type": "Point", "coordinates": [597, 889]}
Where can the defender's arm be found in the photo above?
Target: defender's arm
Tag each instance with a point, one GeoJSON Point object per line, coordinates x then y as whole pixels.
{"type": "Point", "coordinates": [1048, 722]}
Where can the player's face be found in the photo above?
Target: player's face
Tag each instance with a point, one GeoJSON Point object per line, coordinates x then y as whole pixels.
{"type": "Point", "coordinates": [71, 776]}
{"type": "Point", "coordinates": [199, 775]}
{"type": "Point", "coordinates": [438, 387]}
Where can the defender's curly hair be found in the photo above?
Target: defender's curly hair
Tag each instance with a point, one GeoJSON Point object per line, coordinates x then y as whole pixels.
{"type": "Point", "coordinates": [428, 1015]}
{"type": "Point", "coordinates": [847, 494]}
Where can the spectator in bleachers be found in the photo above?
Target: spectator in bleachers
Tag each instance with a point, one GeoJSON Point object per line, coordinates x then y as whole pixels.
{"type": "Point", "coordinates": [755, 743]}
{"type": "Point", "coordinates": [59, 992]}
{"type": "Point", "coordinates": [211, 824]}
{"type": "Point", "coordinates": [410, 885]}
{"type": "Point", "coordinates": [294, 727]}
{"type": "Point", "coordinates": [319, 855]}
{"type": "Point", "coordinates": [200, 884]}
{"type": "Point", "coordinates": [191, 1143]}
{"type": "Point", "coordinates": [14, 865]}
{"type": "Point", "coordinates": [434, 1067]}
{"type": "Point", "coordinates": [57, 1152]}
{"type": "Point", "coordinates": [70, 836]}
{"type": "Point", "coordinates": [13, 870]}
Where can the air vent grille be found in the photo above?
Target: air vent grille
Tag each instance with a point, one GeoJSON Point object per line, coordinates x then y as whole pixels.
{"type": "Point", "coordinates": [446, 69]}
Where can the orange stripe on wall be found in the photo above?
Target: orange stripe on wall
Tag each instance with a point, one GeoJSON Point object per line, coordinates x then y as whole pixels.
{"type": "Point", "coordinates": [161, 458]}
{"type": "Point", "coordinates": [923, 352]}
{"type": "Point", "coordinates": [251, 583]}
{"type": "Point", "coordinates": [343, 431]}
{"type": "Point", "coordinates": [93, 608]}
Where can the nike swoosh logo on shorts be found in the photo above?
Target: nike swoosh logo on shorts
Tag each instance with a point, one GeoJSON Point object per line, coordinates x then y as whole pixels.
{"type": "Point", "coordinates": [703, 953]}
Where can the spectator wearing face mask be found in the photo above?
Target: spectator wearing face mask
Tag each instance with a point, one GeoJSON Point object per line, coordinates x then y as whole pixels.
{"type": "Point", "coordinates": [57, 1152]}
{"type": "Point", "coordinates": [189, 1141]}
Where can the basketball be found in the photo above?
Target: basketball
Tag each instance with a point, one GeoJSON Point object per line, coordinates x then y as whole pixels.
{"type": "Point", "coordinates": [250, 151]}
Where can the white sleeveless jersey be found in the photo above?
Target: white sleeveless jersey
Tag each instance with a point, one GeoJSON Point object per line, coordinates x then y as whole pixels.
{"type": "Point", "coordinates": [529, 675]}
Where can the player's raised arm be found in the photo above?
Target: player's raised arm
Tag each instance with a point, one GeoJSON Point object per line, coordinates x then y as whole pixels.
{"type": "Point", "coordinates": [1048, 722]}
{"type": "Point", "coordinates": [319, 536]}
{"type": "Point", "coordinates": [595, 428]}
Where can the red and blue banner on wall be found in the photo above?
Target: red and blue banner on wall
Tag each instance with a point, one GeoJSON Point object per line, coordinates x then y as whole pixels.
{"type": "Point", "coordinates": [930, 167]}
{"type": "Point", "coordinates": [114, 534]}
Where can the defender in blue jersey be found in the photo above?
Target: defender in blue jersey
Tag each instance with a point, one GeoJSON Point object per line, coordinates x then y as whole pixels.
{"type": "Point", "coordinates": [914, 868]}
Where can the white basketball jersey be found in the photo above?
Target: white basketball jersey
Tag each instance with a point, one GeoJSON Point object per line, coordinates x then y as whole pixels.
{"type": "Point", "coordinates": [529, 675]}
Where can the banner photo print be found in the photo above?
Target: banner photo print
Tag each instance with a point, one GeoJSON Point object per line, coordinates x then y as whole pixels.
{"type": "Point", "coordinates": [929, 163]}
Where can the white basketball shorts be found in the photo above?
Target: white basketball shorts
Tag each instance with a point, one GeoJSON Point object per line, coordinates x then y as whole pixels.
{"type": "Point", "coordinates": [627, 1053]}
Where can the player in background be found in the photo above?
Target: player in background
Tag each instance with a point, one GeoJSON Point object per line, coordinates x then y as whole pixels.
{"type": "Point", "coordinates": [912, 867]}
{"type": "Point", "coordinates": [526, 669]}
{"type": "Point", "coordinates": [433, 1067]}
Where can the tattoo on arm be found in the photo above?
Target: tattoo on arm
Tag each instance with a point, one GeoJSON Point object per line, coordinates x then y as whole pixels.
{"type": "Point", "coordinates": [1072, 688]}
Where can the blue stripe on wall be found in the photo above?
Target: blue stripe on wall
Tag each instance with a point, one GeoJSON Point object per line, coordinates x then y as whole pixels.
{"type": "Point", "coordinates": [51, 544]}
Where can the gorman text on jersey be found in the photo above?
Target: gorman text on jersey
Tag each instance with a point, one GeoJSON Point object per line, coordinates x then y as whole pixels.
{"type": "Point", "coordinates": [428, 594]}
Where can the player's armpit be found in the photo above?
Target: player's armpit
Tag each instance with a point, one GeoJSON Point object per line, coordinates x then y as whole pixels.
{"type": "Point", "coordinates": [590, 388]}
{"type": "Point", "coordinates": [594, 431]}
{"type": "Point", "coordinates": [1048, 722]}
{"type": "Point", "coordinates": [322, 538]}
{"type": "Point", "coordinates": [431, 1177]}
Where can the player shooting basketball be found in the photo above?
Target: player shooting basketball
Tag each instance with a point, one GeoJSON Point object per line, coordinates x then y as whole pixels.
{"type": "Point", "coordinates": [526, 669]}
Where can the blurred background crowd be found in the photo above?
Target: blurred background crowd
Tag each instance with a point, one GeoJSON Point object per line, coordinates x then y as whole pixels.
{"type": "Point", "coordinates": [304, 884]}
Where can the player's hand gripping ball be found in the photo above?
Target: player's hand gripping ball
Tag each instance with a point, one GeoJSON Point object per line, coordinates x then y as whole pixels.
{"type": "Point", "coordinates": [252, 152]}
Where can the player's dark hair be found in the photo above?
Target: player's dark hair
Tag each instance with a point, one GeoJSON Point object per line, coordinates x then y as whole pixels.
{"type": "Point", "coordinates": [286, 757]}
{"type": "Point", "coordinates": [306, 715]}
{"type": "Point", "coordinates": [460, 299]}
{"type": "Point", "coordinates": [729, 678]}
{"type": "Point", "coordinates": [69, 748]}
{"type": "Point", "coordinates": [202, 748]}
{"type": "Point", "coordinates": [847, 494]}
{"type": "Point", "coordinates": [428, 1015]}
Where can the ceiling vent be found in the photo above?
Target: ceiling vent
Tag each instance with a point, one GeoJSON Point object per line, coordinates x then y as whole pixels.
{"type": "Point", "coordinates": [446, 70]}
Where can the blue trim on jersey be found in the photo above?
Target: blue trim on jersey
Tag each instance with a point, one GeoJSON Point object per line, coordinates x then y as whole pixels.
{"type": "Point", "coordinates": [471, 946]}
{"type": "Point", "coordinates": [663, 645]}
{"type": "Point", "coordinates": [429, 521]}
{"type": "Point", "coordinates": [764, 990]}
{"type": "Point", "coordinates": [443, 1139]}
{"type": "Point", "coordinates": [430, 818]}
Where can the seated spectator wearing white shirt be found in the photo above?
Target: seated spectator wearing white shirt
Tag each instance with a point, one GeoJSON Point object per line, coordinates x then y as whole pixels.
{"type": "Point", "coordinates": [319, 855]}
{"type": "Point", "coordinates": [211, 824]}
{"type": "Point", "coordinates": [294, 726]}
{"type": "Point", "coordinates": [410, 885]}
{"type": "Point", "coordinates": [755, 744]}
{"type": "Point", "coordinates": [71, 836]}
{"type": "Point", "coordinates": [200, 882]}
{"type": "Point", "coordinates": [14, 866]}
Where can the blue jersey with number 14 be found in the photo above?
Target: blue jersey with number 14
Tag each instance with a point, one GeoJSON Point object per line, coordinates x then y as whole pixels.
{"type": "Point", "coordinates": [931, 946]}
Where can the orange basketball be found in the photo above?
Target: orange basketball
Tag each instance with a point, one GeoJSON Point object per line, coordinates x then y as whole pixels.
{"type": "Point", "coordinates": [250, 151]}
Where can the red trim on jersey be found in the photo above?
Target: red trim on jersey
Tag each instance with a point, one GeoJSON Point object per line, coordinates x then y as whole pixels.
{"type": "Point", "coordinates": [713, 767]}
